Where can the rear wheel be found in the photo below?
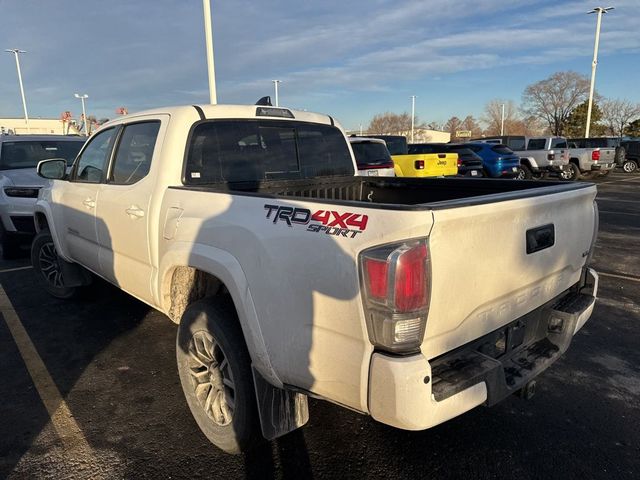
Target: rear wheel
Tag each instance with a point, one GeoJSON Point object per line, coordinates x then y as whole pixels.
{"type": "Point", "coordinates": [630, 166]}
{"type": "Point", "coordinates": [48, 266]}
{"type": "Point", "coordinates": [524, 173]}
{"type": "Point", "coordinates": [215, 373]}
{"type": "Point", "coordinates": [571, 173]}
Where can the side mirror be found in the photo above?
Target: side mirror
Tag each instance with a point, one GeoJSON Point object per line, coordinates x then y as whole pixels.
{"type": "Point", "coordinates": [53, 169]}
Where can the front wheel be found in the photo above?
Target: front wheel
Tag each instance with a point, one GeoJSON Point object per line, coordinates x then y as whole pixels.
{"type": "Point", "coordinates": [629, 166]}
{"type": "Point", "coordinates": [215, 373]}
{"type": "Point", "coordinates": [48, 266]}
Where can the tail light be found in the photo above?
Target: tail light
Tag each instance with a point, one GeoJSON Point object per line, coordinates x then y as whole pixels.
{"type": "Point", "coordinates": [375, 166]}
{"type": "Point", "coordinates": [459, 162]}
{"type": "Point", "coordinates": [419, 164]}
{"type": "Point", "coordinates": [396, 280]}
{"type": "Point", "coordinates": [595, 155]}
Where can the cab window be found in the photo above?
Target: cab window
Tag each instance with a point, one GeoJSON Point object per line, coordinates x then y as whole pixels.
{"type": "Point", "coordinates": [92, 162]}
{"type": "Point", "coordinates": [134, 152]}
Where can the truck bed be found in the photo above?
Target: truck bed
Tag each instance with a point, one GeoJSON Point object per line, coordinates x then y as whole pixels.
{"type": "Point", "coordinates": [395, 192]}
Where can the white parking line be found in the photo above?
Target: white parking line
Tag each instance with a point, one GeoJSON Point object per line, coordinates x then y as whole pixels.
{"type": "Point", "coordinates": [16, 269]}
{"type": "Point", "coordinates": [618, 181]}
{"type": "Point", "coordinates": [620, 213]}
{"type": "Point", "coordinates": [622, 277]}
{"type": "Point", "coordinates": [74, 442]}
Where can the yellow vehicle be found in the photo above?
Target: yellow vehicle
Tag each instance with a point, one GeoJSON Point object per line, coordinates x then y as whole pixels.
{"type": "Point", "coordinates": [418, 165]}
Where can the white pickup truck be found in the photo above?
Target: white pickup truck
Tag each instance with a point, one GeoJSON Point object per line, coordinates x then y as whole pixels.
{"type": "Point", "coordinates": [411, 300]}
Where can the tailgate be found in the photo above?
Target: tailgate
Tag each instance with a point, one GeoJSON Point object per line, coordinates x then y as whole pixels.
{"type": "Point", "coordinates": [426, 164]}
{"type": "Point", "coordinates": [482, 275]}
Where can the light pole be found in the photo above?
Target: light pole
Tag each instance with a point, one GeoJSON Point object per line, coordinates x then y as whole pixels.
{"type": "Point", "coordinates": [594, 64]}
{"type": "Point", "coordinates": [16, 52]}
{"type": "Point", "coordinates": [502, 122]}
{"type": "Point", "coordinates": [413, 114]}
{"type": "Point", "coordinates": [82, 98]}
{"type": "Point", "coordinates": [208, 38]}
{"type": "Point", "coordinates": [275, 86]}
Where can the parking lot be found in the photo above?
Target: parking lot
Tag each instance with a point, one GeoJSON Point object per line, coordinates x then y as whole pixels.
{"type": "Point", "coordinates": [91, 390]}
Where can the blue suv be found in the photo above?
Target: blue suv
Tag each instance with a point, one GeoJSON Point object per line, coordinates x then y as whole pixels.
{"type": "Point", "coordinates": [497, 160]}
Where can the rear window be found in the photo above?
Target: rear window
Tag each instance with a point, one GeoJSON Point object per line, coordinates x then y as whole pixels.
{"type": "Point", "coordinates": [558, 143]}
{"type": "Point", "coordinates": [516, 143]}
{"type": "Point", "coordinates": [27, 154]}
{"type": "Point", "coordinates": [537, 144]}
{"type": "Point", "coordinates": [502, 149]}
{"type": "Point", "coordinates": [417, 149]}
{"type": "Point", "coordinates": [397, 145]}
{"type": "Point", "coordinates": [370, 153]}
{"type": "Point", "coordinates": [254, 150]}
{"type": "Point", "coordinates": [461, 151]}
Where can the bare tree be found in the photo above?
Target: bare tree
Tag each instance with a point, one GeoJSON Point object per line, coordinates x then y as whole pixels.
{"type": "Point", "coordinates": [553, 99]}
{"type": "Point", "coordinates": [618, 114]}
{"type": "Point", "coordinates": [469, 123]}
{"type": "Point", "coordinates": [452, 126]}
{"type": "Point", "coordinates": [391, 123]}
{"type": "Point", "coordinates": [492, 117]}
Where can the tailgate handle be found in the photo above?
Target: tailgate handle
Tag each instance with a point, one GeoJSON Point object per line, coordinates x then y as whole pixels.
{"type": "Point", "coordinates": [442, 155]}
{"type": "Point", "coordinates": [540, 238]}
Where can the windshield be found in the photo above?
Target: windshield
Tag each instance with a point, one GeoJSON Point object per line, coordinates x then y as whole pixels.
{"type": "Point", "coordinates": [368, 153]}
{"type": "Point", "coordinates": [27, 154]}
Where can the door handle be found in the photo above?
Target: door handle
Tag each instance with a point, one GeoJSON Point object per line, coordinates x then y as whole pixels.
{"type": "Point", "coordinates": [89, 202]}
{"type": "Point", "coordinates": [135, 212]}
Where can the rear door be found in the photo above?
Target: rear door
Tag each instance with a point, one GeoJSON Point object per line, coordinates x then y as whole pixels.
{"type": "Point", "coordinates": [123, 210]}
{"type": "Point", "coordinates": [482, 274]}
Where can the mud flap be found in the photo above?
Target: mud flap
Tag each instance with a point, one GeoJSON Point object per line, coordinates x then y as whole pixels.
{"type": "Point", "coordinates": [74, 275]}
{"type": "Point", "coordinates": [281, 411]}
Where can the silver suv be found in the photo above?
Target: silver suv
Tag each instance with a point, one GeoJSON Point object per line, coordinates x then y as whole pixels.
{"type": "Point", "coordinates": [19, 183]}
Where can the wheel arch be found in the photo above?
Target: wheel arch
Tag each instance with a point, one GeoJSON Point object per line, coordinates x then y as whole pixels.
{"type": "Point", "coordinates": [191, 272]}
{"type": "Point", "coordinates": [43, 219]}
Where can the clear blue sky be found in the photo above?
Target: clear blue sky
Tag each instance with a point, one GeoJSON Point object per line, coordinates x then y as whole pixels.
{"type": "Point", "coordinates": [348, 59]}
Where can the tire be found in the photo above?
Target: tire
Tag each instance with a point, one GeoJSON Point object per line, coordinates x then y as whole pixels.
{"type": "Point", "coordinates": [620, 155]}
{"type": "Point", "coordinates": [524, 173]}
{"type": "Point", "coordinates": [215, 373]}
{"type": "Point", "coordinates": [46, 265]}
{"type": "Point", "coordinates": [571, 173]}
{"type": "Point", "coordinates": [630, 166]}
{"type": "Point", "coordinates": [10, 247]}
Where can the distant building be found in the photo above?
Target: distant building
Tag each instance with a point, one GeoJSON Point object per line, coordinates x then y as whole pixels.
{"type": "Point", "coordinates": [420, 135]}
{"type": "Point", "coordinates": [39, 126]}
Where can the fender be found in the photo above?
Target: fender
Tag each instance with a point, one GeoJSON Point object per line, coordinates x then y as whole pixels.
{"type": "Point", "coordinates": [43, 207]}
{"type": "Point", "coordinates": [224, 266]}
{"type": "Point", "coordinates": [532, 162]}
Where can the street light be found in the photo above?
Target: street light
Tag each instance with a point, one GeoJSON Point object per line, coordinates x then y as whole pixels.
{"type": "Point", "coordinates": [208, 38]}
{"type": "Point", "coordinates": [275, 86]}
{"type": "Point", "coordinates": [413, 114]}
{"type": "Point", "coordinates": [594, 64]}
{"type": "Point", "coordinates": [15, 51]}
{"type": "Point", "coordinates": [82, 98]}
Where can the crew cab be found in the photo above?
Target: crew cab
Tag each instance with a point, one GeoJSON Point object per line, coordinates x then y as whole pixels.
{"type": "Point", "coordinates": [587, 161]}
{"type": "Point", "coordinates": [418, 165]}
{"type": "Point", "coordinates": [290, 276]}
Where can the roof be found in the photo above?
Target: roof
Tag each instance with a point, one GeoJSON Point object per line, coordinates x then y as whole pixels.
{"type": "Point", "coordinates": [40, 138]}
{"type": "Point", "coordinates": [224, 112]}
{"type": "Point", "coordinates": [366, 139]}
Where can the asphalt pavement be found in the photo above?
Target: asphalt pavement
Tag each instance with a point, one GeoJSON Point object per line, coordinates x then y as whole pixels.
{"type": "Point", "coordinates": [89, 389]}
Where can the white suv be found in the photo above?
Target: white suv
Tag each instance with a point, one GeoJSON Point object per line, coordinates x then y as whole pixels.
{"type": "Point", "coordinates": [20, 184]}
{"type": "Point", "coordinates": [372, 157]}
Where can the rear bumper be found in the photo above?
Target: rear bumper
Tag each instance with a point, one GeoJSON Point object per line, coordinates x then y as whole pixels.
{"type": "Point", "coordinates": [413, 393]}
{"type": "Point", "coordinates": [603, 166]}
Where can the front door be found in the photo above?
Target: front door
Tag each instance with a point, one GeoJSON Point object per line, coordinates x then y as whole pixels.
{"type": "Point", "coordinates": [79, 198]}
{"type": "Point", "coordinates": [123, 212]}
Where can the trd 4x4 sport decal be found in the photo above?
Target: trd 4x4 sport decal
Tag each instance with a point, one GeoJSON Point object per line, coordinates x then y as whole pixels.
{"type": "Point", "coordinates": [345, 224]}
